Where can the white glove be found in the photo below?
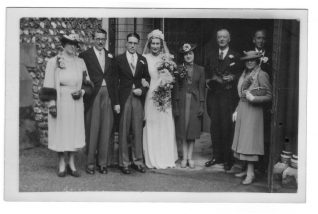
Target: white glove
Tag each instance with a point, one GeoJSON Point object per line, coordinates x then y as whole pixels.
{"type": "Point", "coordinates": [117, 109]}
{"type": "Point", "coordinates": [249, 96]}
{"type": "Point", "coordinates": [234, 116]}
{"type": "Point", "coordinates": [137, 92]}
{"type": "Point", "coordinates": [144, 83]}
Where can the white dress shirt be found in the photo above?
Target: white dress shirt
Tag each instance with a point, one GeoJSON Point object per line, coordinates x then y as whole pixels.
{"type": "Point", "coordinates": [101, 59]}
{"type": "Point", "coordinates": [132, 61]}
{"type": "Point", "coordinates": [224, 51]}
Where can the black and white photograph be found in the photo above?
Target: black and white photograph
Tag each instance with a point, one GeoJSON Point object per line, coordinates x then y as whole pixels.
{"type": "Point", "coordinates": [156, 105]}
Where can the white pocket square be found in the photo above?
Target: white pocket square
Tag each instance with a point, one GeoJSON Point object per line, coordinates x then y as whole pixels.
{"type": "Point", "coordinates": [110, 55]}
{"type": "Point", "coordinates": [233, 63]}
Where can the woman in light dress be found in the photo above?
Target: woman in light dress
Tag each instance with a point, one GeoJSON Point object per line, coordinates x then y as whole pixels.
{"type": "Point", "coordinates": [62, 91]}
{"type": "Point", "coordinates": [159, 139]}
{"type": "Point", "coordinates": [248, 142]}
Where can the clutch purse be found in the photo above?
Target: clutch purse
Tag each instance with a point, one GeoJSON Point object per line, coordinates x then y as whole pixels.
{"type": "Point", "coordinates": [47, 94]}
{"type": "Point", "coordinates": [258, 91]}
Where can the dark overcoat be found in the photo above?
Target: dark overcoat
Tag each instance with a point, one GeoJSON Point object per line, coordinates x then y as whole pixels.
{"type": "Point", "coordinates": [197, 90]}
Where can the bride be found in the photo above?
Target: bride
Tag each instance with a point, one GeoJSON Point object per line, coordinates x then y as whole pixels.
{"type": "Point", "coordinates": [159, 140]}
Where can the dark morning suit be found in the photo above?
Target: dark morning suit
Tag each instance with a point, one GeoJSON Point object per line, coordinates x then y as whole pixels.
{"type": "Point", "coordinates": [221, 102]}
{"type": "Point", "coordinates": [131, 107]}
{"type": "Point", "coordinates": [98, 108]}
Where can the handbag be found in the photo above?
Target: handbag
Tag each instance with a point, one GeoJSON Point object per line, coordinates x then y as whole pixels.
{"type": "Point", "coordinates": [47, 94]}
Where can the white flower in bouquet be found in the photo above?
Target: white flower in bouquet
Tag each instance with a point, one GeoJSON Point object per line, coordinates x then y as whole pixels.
{"type": "Point", "coordinates": [165, 77]}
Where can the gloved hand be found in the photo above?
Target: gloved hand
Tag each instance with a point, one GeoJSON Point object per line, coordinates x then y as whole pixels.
{"type": "Point", "coordinates": [234, 116]}
{"type": "Point", "coordinates": [249, 96]}
{"type": "Point", "coordinates": [53, 110]}
{"type": "Point", "coordinates": [77, 94]}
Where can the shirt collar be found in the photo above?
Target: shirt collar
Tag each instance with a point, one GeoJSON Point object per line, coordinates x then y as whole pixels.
{"type": "Point", "coordinates": [98, 51]}
{"type": "Point", "coordinates": [262, 51]}
{"type": "Point", "coordinates": [224, 51]}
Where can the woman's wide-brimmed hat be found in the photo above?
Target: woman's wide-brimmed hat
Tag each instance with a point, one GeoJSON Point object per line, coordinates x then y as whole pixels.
{"type": "Point", "coordinates": [71, 38]}
{"type": "Point", "coordinates": [251, 55]}
{"type": "Point", "coordinates": [187, 47]}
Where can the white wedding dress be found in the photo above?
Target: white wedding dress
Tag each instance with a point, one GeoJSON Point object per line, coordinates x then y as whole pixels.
{"type": "Point", "coordinates": [159, 139]}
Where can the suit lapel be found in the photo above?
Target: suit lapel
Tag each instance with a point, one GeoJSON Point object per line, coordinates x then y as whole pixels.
{"type": "Point", "coordinates": [126, 63]}
{"type": "Point", "coordinates": [107, 61]}
{"type": "Point", "coordinates": [138, 64]}
{"type": "Point", "coordinates": [95, 60]}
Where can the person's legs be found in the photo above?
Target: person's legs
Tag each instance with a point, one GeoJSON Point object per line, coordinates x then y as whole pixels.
{"type": "Point", "coordinates": [227, 128]}
{"type": "Point", "coordinates": [190, 152]}
{"type": "Point", "coordinates": [62, 163]}
{"type": "Point", "coordinates": [185, 154]}
{"type": "Point", "coordinates": [94, 131]}
{"type": "Point", "coordinates": [124, 128]}
{"type": "Point", "coordinates": [250, 175]}
{"type": "Point", "coordinates": [107, 126]}
{"type": "Point", "coordinates": [137, 127]}
{"type": "Point", "coordinates": [215, 129]}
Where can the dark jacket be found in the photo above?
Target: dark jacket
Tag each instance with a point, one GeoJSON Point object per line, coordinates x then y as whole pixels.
{"type": "Point", "coordinates": [230, 65]}
{"type": "Point", "coordinates": [197, 90]}
{"type": "Point", "coordinates": [123, 78]}
{"type": "Point", "coordinates": [97, 75]}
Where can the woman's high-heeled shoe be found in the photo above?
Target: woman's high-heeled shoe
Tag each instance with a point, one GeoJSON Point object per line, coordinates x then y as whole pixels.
{"type": "Point", "coordinates": [240, 174]}
{"type": "Point", "coordinates": [183, 163]}
{"type": "Point", "coordinates": [191, 164]}
{"type": "Point", "coordinates": [73, 173]}
{"type": "Point", "coordinates": [249, 179]}
{"type": "Point", "coordinates": [61, 174]}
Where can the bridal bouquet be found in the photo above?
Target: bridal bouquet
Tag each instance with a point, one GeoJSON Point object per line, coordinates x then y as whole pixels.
{"type": "Point", "coordinates": [162, 94]}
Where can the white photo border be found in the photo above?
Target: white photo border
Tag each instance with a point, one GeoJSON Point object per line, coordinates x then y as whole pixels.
{"type": "Point", "coordinates": [12, 104]}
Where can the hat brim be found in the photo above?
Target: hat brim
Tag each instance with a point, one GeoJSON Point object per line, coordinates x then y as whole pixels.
{"type": "Point", "coordinates": [191, 49]}
{"type": "Point", "coordinates": [244, 58]}
{"type": "Point", "coordinates": [66, 40]}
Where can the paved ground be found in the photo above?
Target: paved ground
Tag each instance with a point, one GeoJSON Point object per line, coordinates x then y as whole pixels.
{"type": "Point", "coordinates": [38, 167]}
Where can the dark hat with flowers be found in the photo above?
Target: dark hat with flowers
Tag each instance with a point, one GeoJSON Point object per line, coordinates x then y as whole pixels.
{"type": "Point", "coordinates": [251, 55]}
{"type": "Point", "coordinates": [71, 38]}
{"type": "Point", "coordinates": [187, 47]}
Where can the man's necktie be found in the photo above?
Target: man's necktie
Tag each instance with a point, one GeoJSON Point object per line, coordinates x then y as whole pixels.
{"type": "Point", "coordinates": [132, 63]}
{"type": "Point", "coordinates": [221, 55]}
{"type": "Point", "coordinates": [100, 59]}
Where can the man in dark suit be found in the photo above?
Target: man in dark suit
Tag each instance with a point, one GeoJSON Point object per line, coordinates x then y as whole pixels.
{"type": "Point", "coordinates": [259, 41]}
{"type": "Point", "coordinates": [223, 70]}
{"type": "Point", "coordinates": [98, 106]}
{"type": "Point", "coordinates": [131, 78]}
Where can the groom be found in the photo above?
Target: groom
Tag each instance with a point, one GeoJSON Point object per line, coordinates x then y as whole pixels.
{"type": "Point", "coordinates": [131, 78]}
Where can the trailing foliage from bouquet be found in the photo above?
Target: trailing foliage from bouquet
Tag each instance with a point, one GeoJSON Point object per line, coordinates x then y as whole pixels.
{"type": "Point", "coordinates": [162, 94]}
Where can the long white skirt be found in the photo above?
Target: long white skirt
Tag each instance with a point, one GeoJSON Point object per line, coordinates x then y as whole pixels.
{"type": "Point", "coordinates": [159, 139]}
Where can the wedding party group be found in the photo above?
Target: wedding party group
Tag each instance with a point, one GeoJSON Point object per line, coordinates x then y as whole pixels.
{"type": "Point", "coordinates": [160, 103]}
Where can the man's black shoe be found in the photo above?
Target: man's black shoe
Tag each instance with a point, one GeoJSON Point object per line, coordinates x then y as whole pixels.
{"type": "Point", "coordinates": [102, 169]}
{"type": "Point", "coordinates": [90, 171]}
{"type": "Point", "coordinates": [139, 168]}
{"type": "Point", "coordinates": [211, 162]}
{"type": "Point", "coordinates": [125, 170]}
{"type": "Point", "coordinates": [227, 166]}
